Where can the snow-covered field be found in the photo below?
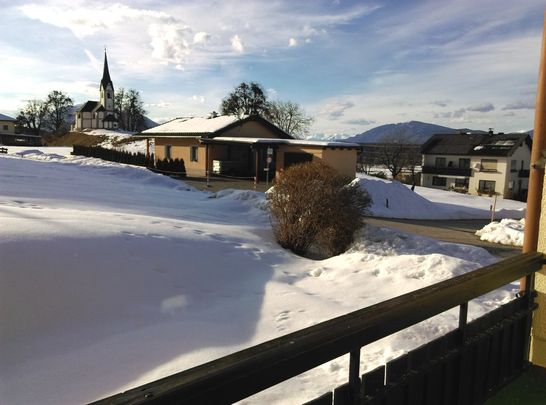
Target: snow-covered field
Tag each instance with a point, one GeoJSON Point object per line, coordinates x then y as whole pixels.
{"type": "Point", "coordinates": [112, 276]}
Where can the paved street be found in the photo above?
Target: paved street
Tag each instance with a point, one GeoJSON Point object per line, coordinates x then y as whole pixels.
{"type": "Point", "coordinates": [456, 231]}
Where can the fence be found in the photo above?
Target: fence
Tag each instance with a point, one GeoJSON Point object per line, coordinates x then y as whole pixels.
{"type": "Point", "coordinates": [462, 367]}
{"type": "Point", "coordinates": [112, 155]}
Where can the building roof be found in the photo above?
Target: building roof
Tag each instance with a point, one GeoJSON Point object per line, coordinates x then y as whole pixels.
{"type": "Point", "coordinates": [106, 80]}
{"type": "Point", "coordinates": [475, 144]}
{"type": "Point", "coordinates": [300, 142]}
{"type": "Point", "coordinates": [207, 127]}
{"type": "Point", "coordinates": [89, 106]}
{"type": "Point", "coordinates": [6, 118]}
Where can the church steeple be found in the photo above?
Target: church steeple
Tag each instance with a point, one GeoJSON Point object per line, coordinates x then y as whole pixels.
{"type": "Point", "coordinates": [106, 74]}
{"type": "Point", "coordinates": [106, 88]}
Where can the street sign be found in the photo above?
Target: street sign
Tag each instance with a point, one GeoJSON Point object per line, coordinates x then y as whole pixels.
{"type": "Point", "coordinates": [269, 151]}
{"type": "Point", "coordinates": [269, 160]}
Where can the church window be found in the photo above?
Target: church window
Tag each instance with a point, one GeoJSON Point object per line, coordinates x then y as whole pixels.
{"type": "Point", "coordinates": [108, 95]}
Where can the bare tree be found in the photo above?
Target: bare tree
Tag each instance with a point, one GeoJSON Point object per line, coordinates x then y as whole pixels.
{"type": "Point", "coordinates": [129, 109]}
{"type": "Point", "coordinates": [289, 117]}
{"type": "Point", "coordinates": [396, 153]}
{"type": "Point", "coordinates": [58, 108]}
{"type": "Point", "coordinates": [32, 116]}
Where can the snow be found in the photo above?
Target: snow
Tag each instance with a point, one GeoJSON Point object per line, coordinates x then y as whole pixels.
{"type": "Point", "coordinates": [303, 142]}
{"type": "Point", "coordinates": [506, 232]}
{"type": "Point", "coordinates": [113, 276]}
{"type": "Point", "coordinates": [429, 203]}
{"type": "Point", "coordinates": [193, 125]}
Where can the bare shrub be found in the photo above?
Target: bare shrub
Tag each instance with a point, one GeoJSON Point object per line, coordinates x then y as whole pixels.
{"type": "Point", "coordinates": [313, 206]}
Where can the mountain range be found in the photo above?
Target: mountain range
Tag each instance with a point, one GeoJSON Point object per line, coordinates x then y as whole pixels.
{"type": "Point", "coordinates": [415, 132]}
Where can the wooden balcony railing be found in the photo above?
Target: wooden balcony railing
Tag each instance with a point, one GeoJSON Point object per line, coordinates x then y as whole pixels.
{"type": "Point", "coordinates": [446, 171]}
{"type": "Point", "coordinates": [463, 367]}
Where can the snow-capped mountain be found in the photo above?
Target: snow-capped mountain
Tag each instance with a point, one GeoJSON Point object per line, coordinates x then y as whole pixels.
{"type": "Point", "coordinates": [414, 131]}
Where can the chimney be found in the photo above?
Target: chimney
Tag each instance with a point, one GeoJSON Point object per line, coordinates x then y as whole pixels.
{"type": "Point", "coordinates": [490, 131]}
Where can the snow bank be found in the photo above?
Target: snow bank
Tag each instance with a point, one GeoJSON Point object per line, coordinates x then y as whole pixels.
{"type": "Point", "coordinates": [113, 276]}
{"type": "Point", "coordinates": [427, 203]}
{"type": "Point", "coordinates": [506, 232]}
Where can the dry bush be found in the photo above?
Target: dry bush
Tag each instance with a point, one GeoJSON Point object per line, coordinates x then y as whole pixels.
{"type": "Point", "coordinates": [313, 206]}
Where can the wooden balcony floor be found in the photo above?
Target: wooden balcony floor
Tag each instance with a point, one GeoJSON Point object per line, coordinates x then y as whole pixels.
{"type": "Point", "coordinates": [528, 389]}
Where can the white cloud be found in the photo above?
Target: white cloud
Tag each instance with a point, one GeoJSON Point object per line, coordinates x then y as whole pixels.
{"type": "Point", "coordinates": [520, 105]}
{"type": "Point", "coordinates": [84, 19]}
{"type": "Point", "coordinates": [360, 122]}
{"type": "Point", "coordinates": [94, 61]}
{"type": "Point", "coordinates": [237, 44]}
{"type": "Point", "coordinates": [201, 38]}
{"type": "Point", "coordinates": [198, 99]}
{"type": "Point", "coordinates": [272, 93]}
{"type": "Point", "coordinates": [161, 104]}
{"type": "Point", "coordinates": [483, 108]}
{"type": "Point", "coordinates": [169, 42]}
{"type": "Point", "coordinates": [440, 103]}
{"type": "Point", "coordinates": [292, 42]}
{"type": "Point", "coordinates": [336, 108]}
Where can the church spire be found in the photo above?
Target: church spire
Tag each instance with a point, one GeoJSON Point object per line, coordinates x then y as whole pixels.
{"type": "Point", "coordinates": [106, 74]}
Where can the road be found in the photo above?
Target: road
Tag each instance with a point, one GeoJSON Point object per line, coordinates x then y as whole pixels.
{"type": "Point", "coordinates": [456, 231]}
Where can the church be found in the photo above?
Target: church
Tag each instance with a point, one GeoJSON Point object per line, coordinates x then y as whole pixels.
{"type": "Point", "coordinates": [99, 114]}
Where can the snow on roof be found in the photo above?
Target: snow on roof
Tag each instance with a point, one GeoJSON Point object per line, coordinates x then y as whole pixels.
{"type": "Point", "coordinates": [6, 118]}
{"type": "Point", "coordinates": [193, 125]}
{"type": "Point", "coordinates": [338, 144]}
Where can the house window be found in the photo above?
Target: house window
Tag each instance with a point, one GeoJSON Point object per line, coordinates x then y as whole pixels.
{"type": "Point", "coordinates": [168, 152]}
{"type": "Point", "coordinates": [489, 165]}
{"type": "Point", "coordinates": [5, 127]}
{"type": "Point", "coordinates": [440, 162]}
{"type": "Point", "coordinates": [461, 183]}
{"type": "Point", "coordinates": [438, 181]}
{"type": "Point", "coordinates": [193, 153]}
{"type": "Point", "coordinates": [487, 186]}
{"type": "Point", "coordinates": [513, 165]}
{"type": "Point", "coordinates": [464, 163]}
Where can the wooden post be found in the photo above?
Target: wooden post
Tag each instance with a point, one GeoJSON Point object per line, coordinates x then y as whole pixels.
{"type": "Point", "coordinates": [257, 166]}
{"type": "Point", "coordinates": [207, 171]}
{"type": "Point", "coordinates": [536, 175]}
{"type": "Point", "coordinates": [147, 148]}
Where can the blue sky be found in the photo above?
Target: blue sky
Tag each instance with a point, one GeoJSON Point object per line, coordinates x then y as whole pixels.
{"type": "Point", "coordinates": [352, 65]}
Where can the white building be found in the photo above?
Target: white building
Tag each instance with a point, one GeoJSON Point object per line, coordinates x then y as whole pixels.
{"type": "Point", "coordinates": [99, 114]}
{"type": "Point", "coordinates": [478, 163]}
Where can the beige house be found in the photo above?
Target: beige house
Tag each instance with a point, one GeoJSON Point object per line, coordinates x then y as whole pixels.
{"type": "Point", "coordinates": [250, 148]}
{"type": "Point", "coordinates": [7, 124]}
{"type": "Point", "coordinates": [8, 136]}
{"type": "Point", "coordinates": [478, 163]}
{"type": "Point", "coordinates": [99, 114]}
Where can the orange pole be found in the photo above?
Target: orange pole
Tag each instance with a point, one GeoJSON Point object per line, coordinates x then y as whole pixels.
{"type": "Point", "coordinates": [536, 176]}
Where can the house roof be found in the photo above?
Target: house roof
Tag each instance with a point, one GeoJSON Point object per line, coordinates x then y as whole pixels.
{"type": "Point", "coordinates": [6, 118]}
{"type": "Point", "coordinates": [207, 127]}
{"type": "Point", "coordinates": [301, 142]}
{"type": "Point", "coordinates": [89, 106]}
{"type": "Point", "coordinates": [475, 144]}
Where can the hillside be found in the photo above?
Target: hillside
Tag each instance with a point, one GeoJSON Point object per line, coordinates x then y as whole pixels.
{"type": "Point", "coordinates": [74, 138]}
{"type": "Point", "coordinates": [414, 131]}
